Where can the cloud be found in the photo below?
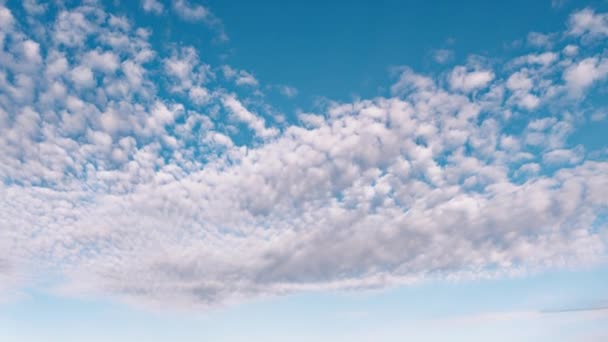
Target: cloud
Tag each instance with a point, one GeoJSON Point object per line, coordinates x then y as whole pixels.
{"type": "Point", "coordinates": [82, 77]}
{"type": "Point", "coordinates": [540, 40]}
{"type": "Point", "coordinates": [73, 27]}
{"type": "Point", "coordinates": [582, 75]}
{"type": "Point", "coordinates": [288, 91]}
{"type": "Point", "coordinates": [199, 95]}
{"type": "Point", "coordinates": [588, 24]}
{"type": "Point", "coordinates": [132, 171]}
{"type": "Point", "coordinates": [199, 13]}
{"type": "Point", "coordinates": [570, 50]}
{"type": "Point", "coordinates": [544, 59]}
{"type": "Point", "coordinates": [462, 79]}
{"type": "Point", "coordinates": [521, 85]}
{"type": "Point", "coordinates": [240, 77]}
{"type": "Point", "coordinates": [102, 61]}
{"type": "Point", "coordinates": [153, 6]}
{"type": "Point", "coordinates": [564, 156]}
{"type": "Point", "coordinates": [191, 12]}
{"type": "Point", "coordinates": [32, 7]}
{"type": "Point", "coordinates": [186, 70]}
{"type": "Point", "coordinates": [443, 56]}
{"type": "Point", "coordinates": [238, 110]}
{"type": "Point", "coordinates": [410, 81]}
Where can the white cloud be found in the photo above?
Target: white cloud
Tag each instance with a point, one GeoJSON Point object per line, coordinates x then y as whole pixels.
{"type": "Point", "coordinates": [31, 51]}
{"type": "Point", "coordinates": [519, 81]}
{"type": "Point", "coordinates": [153, 6]}
{"type": "Point", "coordinates": [115, 186]}
{"type": "Point", "coordinates": [528, 101]}
{"type": "Point", "coordinates": [564, 156]}
{"type": "Point", "coordinates": [6, 18]}
{"type": "Point", "coordinates": [256, 123]}
{"type": "Point", "coordinates": [82, 76]}
{"type": "Point", "coordinates": [32, 7]}
{"type": "Point", "coordinates": [520, 84]}
{"type": "Point", "coordinates": [246, 78]}
{"type": "Point", "coordinates": [462, 79]}
{"type": "Point", "coordinates": [220, 139]}
{"type": "Point", "coordinates": [191, 12]}
{"type": "Point", "coordinates": [581, 75]}
{"type": "Point", "coordinates": [199, 95]}
{"type": "Point", "coordinates": [72, 27]}
{"type": "Point", "coordinates": [102, 61]}
{"type": "Point", "coordinates": [544, 59]}
{"type": "Point", "coordinates": [311, 120]}
{"type": "Point", "coordinates": [588, 24]}
{"type": "Point", "coordinates": [185, 68]}
{"type": "Point", "coordinates": [528, 168]}
{"type": "Point", "coordinates": [570, 50]}
{"type": "Point", "coordinates": [540, 40]}
{"type": "Point", "coordinates": [240, 77]}
{"type": "Point", "coordinates": [410, 81]}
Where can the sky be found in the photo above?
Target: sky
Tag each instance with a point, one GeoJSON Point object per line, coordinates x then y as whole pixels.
{"type": "Point", "coordinates": [304, 171]}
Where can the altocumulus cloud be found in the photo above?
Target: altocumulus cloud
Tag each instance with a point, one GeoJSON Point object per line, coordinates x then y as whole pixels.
{"type": "Point", "coordinates": [121, 175]}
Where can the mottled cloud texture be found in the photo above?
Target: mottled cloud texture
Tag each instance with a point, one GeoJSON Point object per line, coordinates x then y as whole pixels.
{"type": "Point", "coordinates": [122, 175]}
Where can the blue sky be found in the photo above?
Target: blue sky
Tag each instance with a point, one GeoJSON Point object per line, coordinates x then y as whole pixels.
{"type": "Point", "coordinates": [231, 171]}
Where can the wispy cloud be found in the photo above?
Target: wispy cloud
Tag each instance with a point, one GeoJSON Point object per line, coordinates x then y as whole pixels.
{"type": "Point", "coordinates": [443, 56]}
{"type": "Point", "coordinates": [199, 13]}
{"type": "Point", "coordinates": [153, 6]}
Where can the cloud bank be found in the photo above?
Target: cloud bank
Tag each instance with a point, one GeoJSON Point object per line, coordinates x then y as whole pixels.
{"type": "Point", "coordinates": [124, 171]}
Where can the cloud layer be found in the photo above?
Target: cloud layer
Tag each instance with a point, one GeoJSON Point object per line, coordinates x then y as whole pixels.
{"type": "Point", "coordinates": [141, 173]}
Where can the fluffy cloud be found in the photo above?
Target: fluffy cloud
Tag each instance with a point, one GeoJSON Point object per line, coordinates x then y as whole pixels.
{"type": "Point", "coordinates": [240, 113]}
{"type": "Point", "coordinates": [144, 184]}
{"type": "Point", "coordinates": [581, 75]}
{"type": "Point", "coordinates": [410, 81]}
{"type": "Point", "coordinates": [521, 84]}
{"type": "Point", "coordinates": [186, 69]}
{"type": "Point", "coordinates": [570, 50]}
{"type": "Point", "coordinates": [240, 77]}
{"type": "Point", "coordinates": [588, 24]}
{"type": "Point", "coordinates": [462, 79]}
